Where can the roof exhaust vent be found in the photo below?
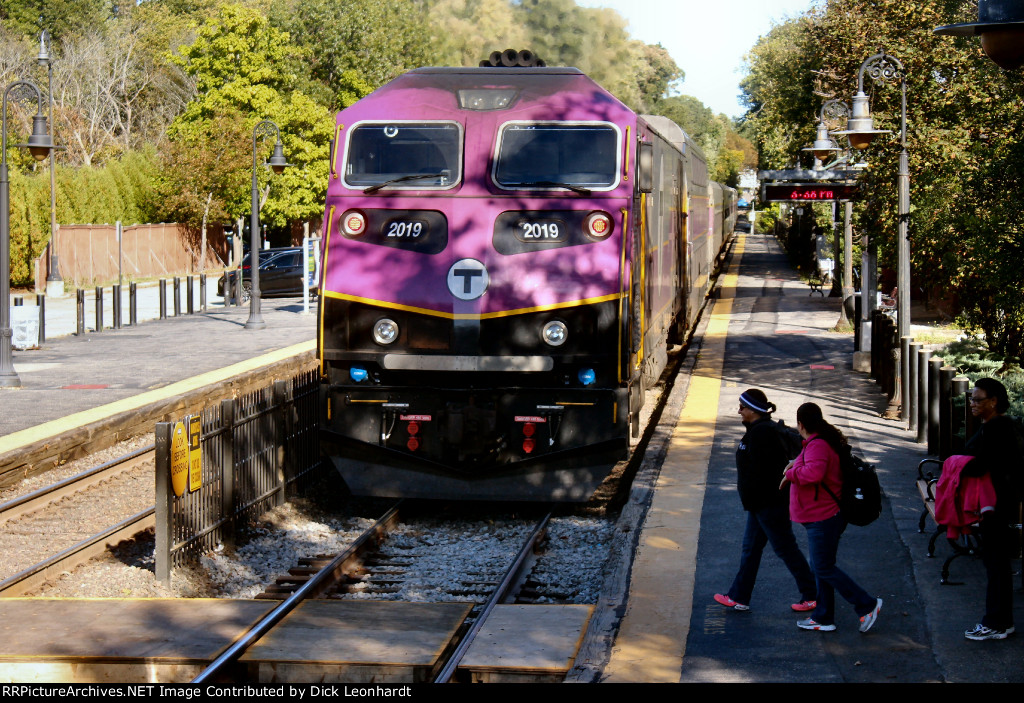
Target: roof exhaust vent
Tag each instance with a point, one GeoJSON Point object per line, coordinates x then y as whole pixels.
{"type": "Point", "coordinates": [510, 58]}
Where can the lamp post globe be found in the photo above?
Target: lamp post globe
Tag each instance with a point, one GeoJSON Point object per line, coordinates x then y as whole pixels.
{"type": "Point", "coordinates": [1001, 28]}
{"type": "Point", "coordinates": [277, 163]}
{"type": "Point", "coordinates": [39, 144]}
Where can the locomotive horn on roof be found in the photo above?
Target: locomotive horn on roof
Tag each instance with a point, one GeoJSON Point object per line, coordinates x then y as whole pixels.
{"type": "Point", "coordinates": [510, 58]}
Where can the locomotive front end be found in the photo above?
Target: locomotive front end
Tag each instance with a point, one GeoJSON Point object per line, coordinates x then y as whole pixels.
{"type": "Point", "coordinates": [471, 323]}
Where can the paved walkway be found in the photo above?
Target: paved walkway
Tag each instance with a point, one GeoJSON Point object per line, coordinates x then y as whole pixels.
{"type": "Point", "coordinates": [765, 331]}
{"type": "Point", "coordinates": [74, 373]}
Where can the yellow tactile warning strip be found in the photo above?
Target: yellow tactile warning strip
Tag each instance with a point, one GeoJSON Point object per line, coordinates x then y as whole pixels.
{"type": "Point", "coordinates": [651, 642]}
{"type": "Point", "coordinates": [56, 427]}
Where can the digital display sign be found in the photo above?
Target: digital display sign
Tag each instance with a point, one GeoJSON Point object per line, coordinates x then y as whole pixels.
{"type": "Point", "coordinates": [810, 192]}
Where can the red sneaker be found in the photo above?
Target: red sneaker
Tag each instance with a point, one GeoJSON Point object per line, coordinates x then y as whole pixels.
{"type": "Point", "coordinates": [730, 603]}
{"type": "Point", "coordinates": [804, 606]}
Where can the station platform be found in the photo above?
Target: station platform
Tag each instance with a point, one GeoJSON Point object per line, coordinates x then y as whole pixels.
{"type": "Point", "coordinates": [81, 389]}
{"type": "Point", "coordinates": [764, 331]}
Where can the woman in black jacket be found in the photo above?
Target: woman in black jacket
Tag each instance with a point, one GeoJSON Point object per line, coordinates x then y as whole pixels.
{"type": "Point", "coordinates": [760, 459]}
{"type": "Point", "coordinates": [997, 450]}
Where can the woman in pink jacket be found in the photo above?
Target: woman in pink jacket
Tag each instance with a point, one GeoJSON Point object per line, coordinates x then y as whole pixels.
{"type": "Point", "coordinates": [811, 476]}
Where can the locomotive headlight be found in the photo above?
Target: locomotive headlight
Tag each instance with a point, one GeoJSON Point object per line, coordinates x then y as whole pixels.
{"type": "Point", "coordinates": [385, 331]}
{"type": "Point", "coordinates": [555, 333]}
{"type": "Point", "coordinates": [597, 226]}
{"type": "Point", "coordinates": [353, 223]}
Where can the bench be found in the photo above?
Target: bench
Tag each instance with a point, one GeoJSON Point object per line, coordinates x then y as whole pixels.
{"type": "Point", "coordinates": [965, 545]}
{"type": "Point", "coordinates": [816, 284]}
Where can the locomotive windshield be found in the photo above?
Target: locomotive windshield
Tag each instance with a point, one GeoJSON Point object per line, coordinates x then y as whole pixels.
{"type": "Point", "coordinates": [414, 155]}
{"type": "Point", "coordinates": [558, 154]}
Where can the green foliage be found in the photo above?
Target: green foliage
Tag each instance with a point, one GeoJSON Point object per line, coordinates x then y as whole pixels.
{"type": "Point", "coordinates": [973, 359]}
{"type": "Point", "coordinates": [121, 190]}
{"type": "Point", "coordinates": [240, 63]}
{"type": "Point", "coordinates": [351, 47]}
{"type": "Point", "coordinates": [964, 140]}
{"type": "Point", "coordinates": [727, 152]}
{"type": "Point", "coordinates": [63, 18]}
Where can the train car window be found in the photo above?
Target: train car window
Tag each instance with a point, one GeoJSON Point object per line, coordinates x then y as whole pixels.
{"type": "Point", "coordinates": [557, 155]}
{"type": "Point", "coordinates": [404, 155]}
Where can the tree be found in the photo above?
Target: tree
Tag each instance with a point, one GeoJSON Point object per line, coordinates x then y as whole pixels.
{"type": "Point", "coordinates": [63, 18]}
{"type": "Point", "coordinates": [351, 47]}
{"type": "Point", "coordinates": [240, 66]}
{"type": "Point", "coordinates": [963, 133]}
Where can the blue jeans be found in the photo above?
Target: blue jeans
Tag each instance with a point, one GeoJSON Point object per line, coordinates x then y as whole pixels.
{"type": "Point", "coordinates": [770, 525]}
{"type": "Point", "coordinates": [823, 544]}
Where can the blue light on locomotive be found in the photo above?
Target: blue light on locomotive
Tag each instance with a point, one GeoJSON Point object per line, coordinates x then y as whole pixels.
{"type": "Point", "coordinates": [358, 374]}
{"type": "Point", "coordinates": [587, 376]}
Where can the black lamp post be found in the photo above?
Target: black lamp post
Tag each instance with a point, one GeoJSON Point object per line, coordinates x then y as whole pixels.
{"type": "Point", "coordinates": [277, 163]}
{"type": "Point", "coordinates": [54, 281]}
{"type": "Point", "coordinates": [860, 129]}
{"type": "Point", "coordinates": [1001, 28]}
{"type": "Point", "coordinates": [39, 145]}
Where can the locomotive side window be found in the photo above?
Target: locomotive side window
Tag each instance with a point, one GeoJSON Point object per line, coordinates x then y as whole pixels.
{"type": "Point", "coordinates": [410, 155]}
{"type": "Point", "coordinates": [546, 155]}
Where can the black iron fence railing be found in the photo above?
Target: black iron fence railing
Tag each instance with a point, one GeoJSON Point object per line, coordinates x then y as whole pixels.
{"type": "Point", "coordinates": [236, 460]}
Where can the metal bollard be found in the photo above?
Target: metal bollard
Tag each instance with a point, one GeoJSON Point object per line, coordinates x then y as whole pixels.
{"type": "Point", "coordinates": [116, 304]}
{"type": "Point", "coordinates": [238, 288]}
{"type": "Point", "coordinates": [133, 304]}
{"type": "Point", "coordinates": [80, 311]}
{"type": "Point", "coordinates": [923, 355]}
{"type": "Point", "coordinates": [163, 299]}
{"type": "Point", "coordinates": [905, 378]}
{"type": "Point", "coordinates": [189, 307]}
{"type": "Point", "coordinates": [19, 301]}
{"type": "Point", "coordinates": [202, 292]}
{"type": "Point", "coordinates": [934, 366]}
{"type": "Point", "coordinates": [875, 343]}
{"type": "Point", "coordinates": [99, 309]}
{"type": "Point", "coordinates": [971, 423]}
{"type": "Point", "coordinates": [177, 297]}
{"type": "Point", "coordinates": [946, 375]}
{"type": "Point", "coordinates": [41, 304]}
{"type": "Point", "coordinates": [961, 388]}
{"type": "Point", "coordinates": [910, 399]}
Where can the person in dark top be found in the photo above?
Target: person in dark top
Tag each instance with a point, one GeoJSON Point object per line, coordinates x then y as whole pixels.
{"type": "Point", "coordinates": [760, 459]}
{"type": "Point", "coordinates": [996, 450]}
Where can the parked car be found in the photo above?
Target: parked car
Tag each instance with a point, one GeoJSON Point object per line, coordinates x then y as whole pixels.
{"type": "Point", "coordinates": [281, 271]}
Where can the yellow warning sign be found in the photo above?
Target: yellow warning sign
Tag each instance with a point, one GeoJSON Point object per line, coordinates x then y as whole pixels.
{"type": "Point", "coordinates": [179, 458]}
{"type": "Point", "coordinates": [195, 453]}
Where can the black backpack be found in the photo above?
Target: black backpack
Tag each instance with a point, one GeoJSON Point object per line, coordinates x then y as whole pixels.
{"type": "Point", "coordinates": [861, 503]}
{"type": "Point", "coordinates": [792, 442]}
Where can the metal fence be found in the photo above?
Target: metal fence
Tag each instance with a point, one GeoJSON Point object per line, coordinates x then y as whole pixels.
{"type": "Point", "coordinates": [256, 450]}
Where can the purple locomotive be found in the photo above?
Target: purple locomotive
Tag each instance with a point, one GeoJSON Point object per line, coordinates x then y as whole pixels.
{"type": "Point", "coordinates": [507, 254]}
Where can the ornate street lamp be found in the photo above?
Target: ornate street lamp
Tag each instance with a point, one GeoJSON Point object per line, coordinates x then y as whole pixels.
{"type": "Point", "coordinates": [277, 163]}
{"type": "Point", "coordinates": [39, 145]}
{"type": "Point", "coordinates": [1001, 28]}
{"type": "Point", "coordinates": [860, 129]}
{"type": "Point", "coordinates": [54, 281]}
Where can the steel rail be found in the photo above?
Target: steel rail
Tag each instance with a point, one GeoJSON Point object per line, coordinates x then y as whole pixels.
{"type": "Point", "coordinates": [32, 502]}
{"type": "Point", "coordinates": [36, 575]}
{"type": "Point", "coordinates": [512, 577]}
{"type": "Point", "coordinates": [316, 586]}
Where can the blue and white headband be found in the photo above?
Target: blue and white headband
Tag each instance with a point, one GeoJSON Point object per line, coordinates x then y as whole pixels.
{"type": "Point", "coordinates": [754, 404]}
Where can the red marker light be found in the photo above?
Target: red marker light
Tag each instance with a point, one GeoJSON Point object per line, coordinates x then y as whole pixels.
{"type": "Point", "coordinates": [528, 445]}
{"type": "Point", "coordinates": [413, 444]}
{"type": "Point", "coordinates": [414, 428]}
{"type": "Point", "coordinates": [529, 429]}
{"type": "Point", "coordinates": [353, 223]}
{"type": "Point", "coordinates": [598, 225]}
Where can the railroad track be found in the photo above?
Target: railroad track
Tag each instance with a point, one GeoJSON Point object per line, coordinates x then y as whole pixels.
{"type": "Point", "coordinates": [63, 546]}
{"type": "Point", "coordinates": [316, 579]}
